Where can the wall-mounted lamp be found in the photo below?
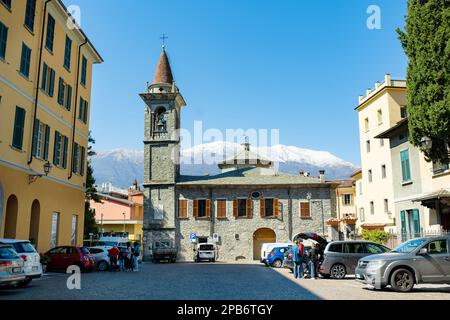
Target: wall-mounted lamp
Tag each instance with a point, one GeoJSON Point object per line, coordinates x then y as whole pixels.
{"type": "Point", "coordinates": [33, 177]}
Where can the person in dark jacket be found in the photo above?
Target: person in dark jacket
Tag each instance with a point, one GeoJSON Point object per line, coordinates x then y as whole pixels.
{"type": "Point", "coordinates": [314, 257]}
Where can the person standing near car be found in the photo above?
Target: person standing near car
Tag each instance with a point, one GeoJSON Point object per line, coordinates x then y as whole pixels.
{"type": "Point", "coordinates": [297, 259]}
{"type": "Point", "coordinates": [113, 253]}
{"type": "Point", "coordinates": [314, 257]}
{"type": "Point", "coordinates": [136, 253]}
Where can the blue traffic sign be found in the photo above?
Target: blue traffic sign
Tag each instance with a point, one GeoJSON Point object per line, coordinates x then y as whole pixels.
{"type": "Point", "coordinates": [192, 236]}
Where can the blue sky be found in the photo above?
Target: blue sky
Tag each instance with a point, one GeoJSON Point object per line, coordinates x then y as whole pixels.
{"type": "Point", "coordinates": [293, 65]}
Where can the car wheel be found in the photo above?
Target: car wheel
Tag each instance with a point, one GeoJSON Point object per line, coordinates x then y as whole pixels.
{"type": "Point", "coordinates": [102, 266]}
{"type": "Point", "coordinates": [277, 263]}
{"type": "Point", "coordinates": [402, 280]}
{"type": "Point", "coordinates": [338, 271]}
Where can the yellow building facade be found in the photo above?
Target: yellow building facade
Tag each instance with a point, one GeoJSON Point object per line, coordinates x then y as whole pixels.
{"type": "Point", "coordinates": [45, 88]}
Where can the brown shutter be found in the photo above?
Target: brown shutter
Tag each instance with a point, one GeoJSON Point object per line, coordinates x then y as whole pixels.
{"type": "Point", "coordinates": [208, 208]}
{"type": "Point", "coordinates": [249, 208]}
{"type": "Point", "coordinates": [262, 207]}
{"type": "Point", "coordinates": [235, 208]}
{"type": "Point", "coordinates": [221, 209]}
{"type": "Point", "coordinates": [304, 210]}
{"type": "Point", "coordinates": [276, 208]}
{"type": "Point", "coordinates": [195, 209]}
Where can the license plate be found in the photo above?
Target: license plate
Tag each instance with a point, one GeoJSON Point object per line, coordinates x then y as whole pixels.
{"type": "Point", "coordinates": [34, 268]}
{"type": "Point", "coordinates": [358, 276]}
{"type": "Point", "coordinates": [16, 270]}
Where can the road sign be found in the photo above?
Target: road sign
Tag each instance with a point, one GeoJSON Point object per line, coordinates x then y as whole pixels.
{"type": "Point", "coordinates": [193, 237]}
{"type": "Point", "coordinates": [216, 237]}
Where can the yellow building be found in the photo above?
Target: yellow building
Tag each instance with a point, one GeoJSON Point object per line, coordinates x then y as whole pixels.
{"type": "Point", "coordinates": [346, 209]}
{"type": "Point", "coordinates": [45, 88]}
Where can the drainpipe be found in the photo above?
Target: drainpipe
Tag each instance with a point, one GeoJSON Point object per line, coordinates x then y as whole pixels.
{"type": "Point", "coordinates": [30, 160]}
{"type": "Point", "coordinates": [290, 229]}
{"type": "Point", "coordinates": [75, 108]}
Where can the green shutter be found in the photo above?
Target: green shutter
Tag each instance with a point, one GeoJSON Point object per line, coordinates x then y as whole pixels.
{"type": "Point", "coordinates": [75, 158]}
{"type": "Point", "coordinates": [35, 137]}
{"type": "Point", "coordinates": [403, 224]}
{"type": "Point", "coordinates": [69, 98]}
{"type": "Point", "coordinates": [56, 149]}
{"type": "Point", "coordinates": [80, 109]}
{"type": "Point", "coordinates": [44, 78]}
{"type": "Point", "coordinates": [85, 111]}
{"type": "Point", "coordinates": [406, 169]}
{"type": "Point", "coordinates": [61, 91]}
{"type": "Point", "coordinates": [47, 141]}
{"type": "Point", "coordinates": [82, 161]}
{"type": "Point", "coordinates": [66, 142]}
{"type": "Point", "coordinates": [18, 128]}
{"type": "Point", "coordinates": [52, 83]}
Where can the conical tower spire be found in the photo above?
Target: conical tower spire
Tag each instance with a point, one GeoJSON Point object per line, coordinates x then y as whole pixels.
{"type": "Point", "coordinates": [163, 72]}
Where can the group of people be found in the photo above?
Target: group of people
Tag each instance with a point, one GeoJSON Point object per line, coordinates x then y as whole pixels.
{"type": "Point", "coordinates": [126, 259]}
{"type": "Point", "coordinates": [306, 264]}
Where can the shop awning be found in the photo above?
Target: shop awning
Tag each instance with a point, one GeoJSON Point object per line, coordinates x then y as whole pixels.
{"type": "Point", "coordinates": [436, 195]}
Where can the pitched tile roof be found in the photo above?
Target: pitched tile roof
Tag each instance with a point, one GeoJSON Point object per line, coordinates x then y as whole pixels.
{"type": "Point", "coordinates": [163, 72]}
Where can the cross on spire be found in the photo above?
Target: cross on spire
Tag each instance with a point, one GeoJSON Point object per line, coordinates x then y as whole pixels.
{"type": "Point", "coordinates": [163, 38]}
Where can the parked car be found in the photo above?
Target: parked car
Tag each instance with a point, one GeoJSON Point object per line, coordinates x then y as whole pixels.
{"type": "Point", "coordinates": [32, 261]}
{"type": "Point", "coordinates": [289, 264]}
{"type": "Point", "coordinates": [205, 251]}
{"type": "Point", "coordinates": [101, 257]}
{"type": "Point", "coordinates": [341, 257]}
{"type": "Point", "coordinates": [11, 267]}
{"type": "Point", "coordinates": [276, 256]}
{"type": "Point", "coordinates": [60, 258]}
{"type": "Point", "coordinates": [422, 260]}
{"type": "Point", "coordinates": [308, 237]}
{"type": "Point", "coordinates": [164, 250]}
{"type": "Point", "coordinates": [266, 248]}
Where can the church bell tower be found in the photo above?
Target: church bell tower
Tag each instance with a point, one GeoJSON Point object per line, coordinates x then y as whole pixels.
{"type": "Point", "coordinates": [163, 103]}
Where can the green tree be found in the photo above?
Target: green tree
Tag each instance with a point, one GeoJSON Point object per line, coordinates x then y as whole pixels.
{"type": "Point", "coordinates": [377, 236]}
{"type": "Point", "coordinates": [90, 226]}
{"type": "Point", "coordinates": [426, 42]}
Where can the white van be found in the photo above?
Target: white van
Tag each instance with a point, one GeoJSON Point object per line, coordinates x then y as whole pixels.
{"type": "Point", "coordinates": [266, 248]}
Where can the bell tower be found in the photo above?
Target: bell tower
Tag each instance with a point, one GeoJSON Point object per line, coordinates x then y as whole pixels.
{"type": "Point", "coordinates": [163, 103]}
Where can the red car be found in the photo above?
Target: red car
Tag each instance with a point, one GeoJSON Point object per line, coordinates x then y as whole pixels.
{"type": "Point", "coordinates": [60, 258]}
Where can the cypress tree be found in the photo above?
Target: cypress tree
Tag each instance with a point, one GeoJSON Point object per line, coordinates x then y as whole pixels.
{"type": "Point", "coordinates": [426, 42]}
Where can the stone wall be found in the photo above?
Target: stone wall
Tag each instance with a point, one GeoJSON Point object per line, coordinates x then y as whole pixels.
{"type": "Point", "coordinates": [236, 234]}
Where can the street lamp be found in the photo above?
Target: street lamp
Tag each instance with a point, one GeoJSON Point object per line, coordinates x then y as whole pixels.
{"type": "Point", "coordinates": [123, 222]}
{"type": "Point", "coordinates": [101, 224]}
{"type": "Point", "coordinates": [33, 177]}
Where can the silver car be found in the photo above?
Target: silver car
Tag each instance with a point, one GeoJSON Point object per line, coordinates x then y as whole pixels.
{"type": "Point", "coordinates": [101, 257]}
{"type": "Point", "coordinates": [11, 267]}
{"type": "Point", "coordinates": [422, 260]}
{"type": "Point", "coordinates": [341, 257]}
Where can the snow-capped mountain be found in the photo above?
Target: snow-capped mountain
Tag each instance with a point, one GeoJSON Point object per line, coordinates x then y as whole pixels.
{"type": "Point", "coordinates": [122, 166]}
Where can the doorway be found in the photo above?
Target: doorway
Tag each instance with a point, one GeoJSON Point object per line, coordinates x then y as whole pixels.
{"type": "Point", "coordinates": [34, 222]}
{"type": "Point", "coordinates": [263, 235]}
{"type": "Point", "coordinates": [12, 206]}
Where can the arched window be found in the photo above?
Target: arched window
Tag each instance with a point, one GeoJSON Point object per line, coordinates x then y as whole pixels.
{"type": "Point", "coordinates": [12, 206]}
{"type": "Point", "coordinates": [160, 121]}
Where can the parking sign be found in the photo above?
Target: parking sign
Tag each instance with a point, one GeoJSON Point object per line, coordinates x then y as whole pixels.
{"type": "Point", "coordinates": [193, 237]}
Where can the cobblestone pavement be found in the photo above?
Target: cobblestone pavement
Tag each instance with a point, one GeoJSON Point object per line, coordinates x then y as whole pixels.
{"type": "Point", "coordinates": [204, 281]}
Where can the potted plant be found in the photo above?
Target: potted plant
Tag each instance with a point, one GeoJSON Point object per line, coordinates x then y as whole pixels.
{"type": "Point", "coordinates": [332, 222]}
{"type": "Point", "coordinates": [44, 261]}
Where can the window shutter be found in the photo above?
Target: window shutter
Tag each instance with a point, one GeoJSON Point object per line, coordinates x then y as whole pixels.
{"type": "Point", "coordinates": [61, 91]}
{"type": "Point", "coordinates": [83, 155]}
{"type": "Point", "coordinates": [64, 160]}
{"type": "Point", "coordinates": [195, 209]}
{"type": "Point", "coordinates": [52, 83]}
{"type": "Point", "coordinates": [56, 149]}
{"type": "Point", "coordinates": [69, 98]}
{"type": "Point", "coordinates": [235, 208]}
{"type": "Point", "coordinates": [182, 212]}
{"type": "Point", "coordinates": [304, 210]}
{"type": "Point", "coordinates": [85, 111]}
{"type": "Point", "coordinates": [208, 208]}
{"type": "Point", "coordinates": [44, 77]}
{"type": "Point", "coordinates": [262, 207]}
{"type": "Point", "coordinates": [47, 141]}
{"type": "Point", "coordinates": [249, 208]}
{"type": "Point", "coordinates": [35, 136]}
{"type": "Point", "coordinates": [276, 208]}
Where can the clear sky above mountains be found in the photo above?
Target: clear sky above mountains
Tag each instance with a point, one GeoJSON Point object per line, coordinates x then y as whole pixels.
{"type": "Point", "coordinates": [292, 65]}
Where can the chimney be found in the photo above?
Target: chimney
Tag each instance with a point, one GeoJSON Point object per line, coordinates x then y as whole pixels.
{"type": "Point", "coordinates": [360, 98]}
{"type": "Point", "coordinates": [377, 84]}
{"type": "Point", "coordinates": [322, 175]}
{"type": "Point", "coordinates": [387, 79]}
{"type": "Point", "coordinates": [368, 91]}
{"type": "Point", "coordinates": [301, 173]}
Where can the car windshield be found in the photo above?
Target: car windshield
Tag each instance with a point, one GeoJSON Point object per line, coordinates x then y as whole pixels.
{"type": "Point", "coordinates": [7, 253]}
{"type": "Point", "coordinates": [23, 247]}
{"type": "Point", "coordinates": [206, 247]}
{"type": "Point", "coordinates": [409, 246]}
{"type": "Point", "coordinates": [84, 250]}
{"type": "Point", "coordinates": [107, 243]}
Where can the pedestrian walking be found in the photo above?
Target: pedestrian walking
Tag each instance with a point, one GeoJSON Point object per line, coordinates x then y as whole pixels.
{"type": "Point", "coordinates": [297, 258]}
{"type": "Point", "coordinates": [136, 253]}
{"type": "Point", "coordinates": [113, 253]}
{"type": "Point", "coordinates": [128, 258]}
{"type": "Point", "coordinates": [314, 257]}
{"type": "Point", "coordinates": [122, 260]}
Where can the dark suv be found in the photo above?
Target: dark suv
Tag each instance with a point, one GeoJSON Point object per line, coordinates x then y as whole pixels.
{"type": "Point", "coordinates": [341, 257]}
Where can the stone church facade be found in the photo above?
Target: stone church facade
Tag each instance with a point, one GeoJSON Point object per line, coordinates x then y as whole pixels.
{"type": "Point", "coordinates": [244, 206]}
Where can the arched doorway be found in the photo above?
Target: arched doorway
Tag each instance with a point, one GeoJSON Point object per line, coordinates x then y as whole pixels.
{"type": "Point", "coordinates": [12, 207]}
{"type": "Point", "coordinates": [34, 222]}
{"type": "Point", "coordinates": [263, 235]}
